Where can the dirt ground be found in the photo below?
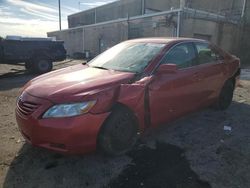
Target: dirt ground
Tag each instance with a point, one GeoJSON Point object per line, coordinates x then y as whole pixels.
{"type": "Point", "coordinates": [192, 152]}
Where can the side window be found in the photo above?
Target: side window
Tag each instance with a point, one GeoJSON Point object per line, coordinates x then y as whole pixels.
{"type": "Point", "coordinates": [206, 54]}
{"type": "Point", "coordinates": [183, 55]}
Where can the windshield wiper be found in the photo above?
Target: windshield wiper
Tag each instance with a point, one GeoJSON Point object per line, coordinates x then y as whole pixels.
{"type": "Point", "coordinates": [100, 67]}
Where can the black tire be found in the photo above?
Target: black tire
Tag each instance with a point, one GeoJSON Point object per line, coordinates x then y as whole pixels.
{"type": "Point", "coordinates": [28, 65]}
{"type": "Point", "coordinates": [42, 66]}
{"type": "Point", "coordinates": [226, 96]}
{"type": "Point", "coordinates": [119, 133]}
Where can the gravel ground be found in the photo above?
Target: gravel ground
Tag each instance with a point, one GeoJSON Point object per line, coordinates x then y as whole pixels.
{"type": "Point", "coordinates": [192, 152]}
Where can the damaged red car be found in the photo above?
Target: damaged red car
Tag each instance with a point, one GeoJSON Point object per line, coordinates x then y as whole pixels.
{"type": "Point", "coordinates": [138, 84]}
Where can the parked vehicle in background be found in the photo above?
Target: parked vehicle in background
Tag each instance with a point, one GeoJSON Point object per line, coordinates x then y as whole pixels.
{"type": "Point", "coordinates": [133, 86]}
{"type": "Point", "coordinates": [38, 54]}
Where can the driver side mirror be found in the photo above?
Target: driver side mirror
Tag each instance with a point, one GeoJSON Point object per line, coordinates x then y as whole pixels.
{"type": "Point", "coordinates": [167, 68]}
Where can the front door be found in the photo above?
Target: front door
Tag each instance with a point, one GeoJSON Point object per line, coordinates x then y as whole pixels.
{"type": "Point", "coordinates": [174, 94]}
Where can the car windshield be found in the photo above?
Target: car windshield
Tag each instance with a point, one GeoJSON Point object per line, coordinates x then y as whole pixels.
{"type": "Point", "coordinates": [128, 57]}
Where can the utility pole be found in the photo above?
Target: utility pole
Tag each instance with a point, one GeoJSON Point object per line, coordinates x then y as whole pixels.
{"type": "Point", "coordinates": [182, 5]}
{"type": "Point", "coordinates": [243, 9]}
{"type": "Point", "coordinates": [142, 7]}
{"type": "Point", "coordinates": [60, 21]}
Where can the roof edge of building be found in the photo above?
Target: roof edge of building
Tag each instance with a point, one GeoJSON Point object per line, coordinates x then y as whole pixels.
{"type": "Point", "coordinates": [91, 9]}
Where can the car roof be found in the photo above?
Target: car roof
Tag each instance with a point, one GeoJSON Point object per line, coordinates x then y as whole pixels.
{"type": "Point", "coordinates": [165, 40]}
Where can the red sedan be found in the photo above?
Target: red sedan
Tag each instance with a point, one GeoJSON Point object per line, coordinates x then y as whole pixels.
{"type": "Point", "coordinates": [108, 102]}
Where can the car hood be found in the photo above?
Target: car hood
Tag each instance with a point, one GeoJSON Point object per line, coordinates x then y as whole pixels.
{"type": "Point", "coordinates": [75, 82]}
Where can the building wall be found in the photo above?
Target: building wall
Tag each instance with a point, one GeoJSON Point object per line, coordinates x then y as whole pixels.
{"type": "Point", "coordinates": [215, 5]}
{"type": "Point", "coordinates": [156, 26]}
{"type": "Point", "coordinates": [247, 12]}
{"type": "Point", "coordinates": [191, 27]}
{"type": "Point", "coordinates": [99, 38]}
{"type": "Point", "coordinates": [160, 5]}
{"type": "Point", "coordinates": [229, 37]}
{"type": "Point", "coordinates": [73, 39]}
{"type": "Point", "coordinates": [112, 11]}
{"type": "Point", "coordinates": [233, 38]}
{"type": "Point", "coordinates": [224, 35]}
{"type": "Point", "coordinates": [124, 8]}
{"type": "Point", "coordinates": [82, 18]}
{"type": "Point", "coordinates": [119, 9]}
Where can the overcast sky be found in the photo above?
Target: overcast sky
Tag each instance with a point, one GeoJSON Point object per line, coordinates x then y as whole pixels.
{"type": "Point", "coordinates": [36, 18]}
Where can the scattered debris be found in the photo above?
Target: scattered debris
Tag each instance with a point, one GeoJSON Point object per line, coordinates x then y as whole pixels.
{"type": "Point", "coordinates": [4, 164]}
{"type": "Point", "coordinates": [241, 101]}
{"type": "Point", "coordinates": [227, 128]}
{"type": "Point", "coordinates": [222, 141]}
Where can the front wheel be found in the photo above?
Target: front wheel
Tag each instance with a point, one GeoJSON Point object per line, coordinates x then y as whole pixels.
{"type": "Point", "coordinates": [119, 132]}
{"type": "Point", "coordinates": [226, 96]}
{"type": "Point", "coordinates": [42, 66]}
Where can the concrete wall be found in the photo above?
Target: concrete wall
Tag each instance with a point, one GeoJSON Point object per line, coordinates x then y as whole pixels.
{"type": "Point", "coordinates": [161, 5]}
{"type": "Point", "coordinates": [233, 38]}
{"type": "Point", "coordinates": [229, 37]}
{"type": "Point", "coordinates": [99, 38]}
{"type": "Point", "coordinates": [112, 11]}
{"type": "Point", "coordinates": [190, 27]}
{"type": "Point", "coordinates": [243, 51]}
{"type": "Point", "coordinates": [247, 12]}
{"type": "Point", "coordinates": [215, 5]}
{"type": "Point", "coordinates": [157, 26]}
{"type": "Point", "coordinates": [123, 8]}
{"type": "Point", "coordinates": [73, 39]}
{"type": "Point", "coordinates": [82, 18]}
{"type": "Point", "coordinates": [224, 35]}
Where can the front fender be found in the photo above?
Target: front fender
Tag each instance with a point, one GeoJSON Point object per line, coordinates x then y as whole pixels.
{"type": "Point", "coordinates": [135, 97]}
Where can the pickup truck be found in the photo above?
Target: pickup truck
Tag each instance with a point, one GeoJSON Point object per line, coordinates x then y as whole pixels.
{"type": "Point", "coordinates": [38, 54]}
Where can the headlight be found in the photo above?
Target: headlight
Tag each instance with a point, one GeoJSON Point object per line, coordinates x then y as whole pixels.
{"type": "Point", "coordinates": [69, 110]}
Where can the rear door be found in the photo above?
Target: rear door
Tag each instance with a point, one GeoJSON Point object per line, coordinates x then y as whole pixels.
{"type": "Point", "coordinates": [212, 71]}
{"type": "Point", "coordinates": [174, 94]}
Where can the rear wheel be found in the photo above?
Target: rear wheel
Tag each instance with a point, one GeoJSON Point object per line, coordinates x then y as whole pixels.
{"type": "Point", "coordinates": [226, 96]}
{"type": "Point", "coordinates": [119, 132]}
{"type": "Point", "coordinates": [42, 65]}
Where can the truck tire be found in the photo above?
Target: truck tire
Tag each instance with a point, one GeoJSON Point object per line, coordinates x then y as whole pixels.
{"type": "Point", "coordinates": [119, 133]}
{"type": "Point", "coordinates": [28, 65]}
{"type": "Point", "coordinates": [42, 66]}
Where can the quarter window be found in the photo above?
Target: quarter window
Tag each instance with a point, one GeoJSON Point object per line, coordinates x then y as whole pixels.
{"type": "Point", "coordinates": [182, 55]}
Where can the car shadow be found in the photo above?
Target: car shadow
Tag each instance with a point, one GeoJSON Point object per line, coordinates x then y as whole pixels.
{"type": "Point", "coordinates": [35, 167]}
{"type": "Point", "coordinates": [165, 165]}
{"type": "Point", "coordinates": [15, 80]}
